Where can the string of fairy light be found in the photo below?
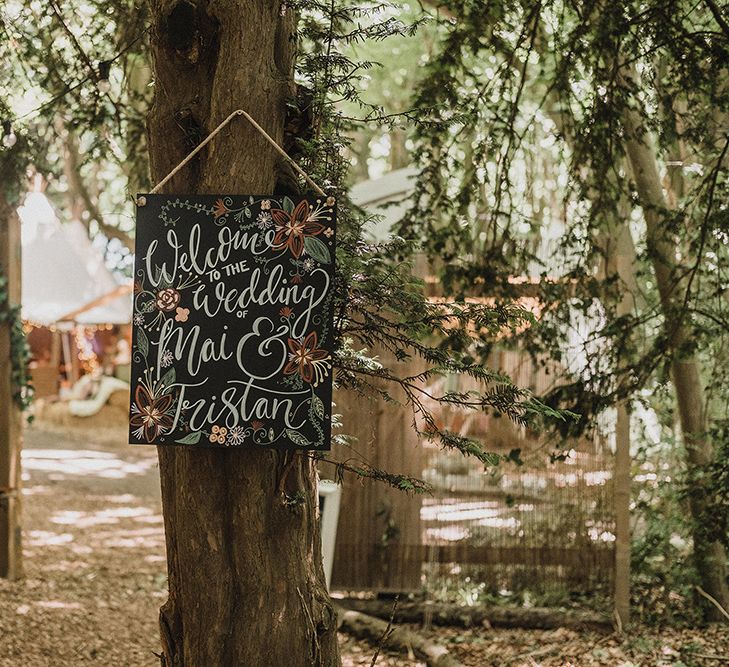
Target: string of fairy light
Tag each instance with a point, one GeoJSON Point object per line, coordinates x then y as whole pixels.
{"type": "Point", "coordinates": [98, 73]}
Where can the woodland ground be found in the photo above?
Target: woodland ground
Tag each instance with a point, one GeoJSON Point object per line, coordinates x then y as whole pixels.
{"type": "Point", "coordinates": [95, 576]}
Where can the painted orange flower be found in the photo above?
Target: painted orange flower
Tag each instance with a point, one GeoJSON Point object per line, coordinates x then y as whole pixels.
{"type": "Point", "coordinates": [292, 228]}
{"type": "Point", "coordinates": [219, 209]}
{"type": "Point", "coordinates": [306, 359]}
{"type": "Point", "coordinates": [218, 434]}
{"type": "Point", "coordinates": [149, 413]}
{"type": "Point", "coordinates": [257, 424]}
{"type": "Point", "coordinates": [285, 312]}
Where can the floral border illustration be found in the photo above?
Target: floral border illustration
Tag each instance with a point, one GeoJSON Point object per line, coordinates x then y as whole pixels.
{"type": "Point", "coordinates": [303, 240]}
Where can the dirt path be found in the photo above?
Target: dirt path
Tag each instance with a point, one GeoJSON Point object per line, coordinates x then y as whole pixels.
{"type": "Point", "coordinates": [94, 554]}
{"type": "Point", "coordinates": [95, 577]}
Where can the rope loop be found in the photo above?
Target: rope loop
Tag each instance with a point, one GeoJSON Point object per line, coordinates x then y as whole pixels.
{"type": "Point", "coordinates": [141, 201]}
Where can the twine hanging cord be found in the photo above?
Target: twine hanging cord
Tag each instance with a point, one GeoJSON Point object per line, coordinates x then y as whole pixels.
{"type": "Point", "coordinates": [238, 112]}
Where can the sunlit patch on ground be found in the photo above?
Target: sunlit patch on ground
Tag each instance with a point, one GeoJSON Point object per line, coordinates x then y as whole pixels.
{"type": "Point", "coordinates": [62, 462]}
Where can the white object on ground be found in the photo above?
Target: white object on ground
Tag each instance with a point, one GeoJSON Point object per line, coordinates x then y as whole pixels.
{"type": "Point", "coordinates": [329, 496]}
{"type": "Point", "coordinates": [89, 407]}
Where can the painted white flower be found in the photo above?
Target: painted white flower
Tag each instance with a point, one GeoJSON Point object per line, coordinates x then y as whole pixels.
{"type": "Point", "coordinates": [308, 264]}
{"type": "Point", "coordinates": [236, 435]}
{"type": "Point", "coordinates": [139, 319]}
{"type": "Point", "coordinates": [264, 220]}
{"type": "Point", "coordinates": [167, 358]}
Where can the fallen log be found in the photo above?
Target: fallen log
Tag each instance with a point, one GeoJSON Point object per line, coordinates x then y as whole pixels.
{"type": "Point", "coordinates": [375, 630]}
{"type": "Point", "coordinates": [441, 613]}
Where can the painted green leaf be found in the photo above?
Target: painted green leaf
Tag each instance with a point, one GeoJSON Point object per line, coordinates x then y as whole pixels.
{"type": "Point", "coordinates": [288, 205]}
{"type": "Point", "coordinates": [317, 406]}
{"type": "Point", "coordinates": [317, 250]}
{"type": "Point", "coordinates": [168, 379]}
{"type": "Point", "coordinates": [142, 343]}
{"type": "Point", "coordinates": [297, 438]}
{"type": "Point", "coordinates": [247, 212]}
{"type": "Point", "coordinates": [190, 439]}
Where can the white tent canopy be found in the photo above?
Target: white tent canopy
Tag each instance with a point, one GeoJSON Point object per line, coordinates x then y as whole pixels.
{"type": "Point", "coordinates": [386, 197]}
{"type": "Point", "coordinates": [64, 276]}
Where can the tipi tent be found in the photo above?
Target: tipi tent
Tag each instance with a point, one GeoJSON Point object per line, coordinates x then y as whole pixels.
{"type": "Point", "coordinates": [65, 279]}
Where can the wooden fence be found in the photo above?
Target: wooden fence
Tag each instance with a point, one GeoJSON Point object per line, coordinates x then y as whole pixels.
{"type": "Point", "coordinates": [538, 526]}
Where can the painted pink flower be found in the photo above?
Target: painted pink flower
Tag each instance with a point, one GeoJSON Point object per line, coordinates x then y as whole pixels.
{"type": "Point", "coordinates": [167, 299]}
{"type": "Point", "coordinates": [219, 209]}
{"type": "Point", "coordinates": [181, 314]}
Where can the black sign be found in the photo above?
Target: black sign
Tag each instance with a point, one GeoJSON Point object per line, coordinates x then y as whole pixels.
{"type": "Point", "coordinates": [232, 321]}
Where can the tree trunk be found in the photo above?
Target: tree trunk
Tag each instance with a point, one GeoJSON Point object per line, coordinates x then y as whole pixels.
{"type": "Point", "coordinates": [451, 614]}
{"type": "Point", "coordinates": [246, 582]}
{"type": "Point", "coordinates": [11, 420]}
{"type": "Point", "coordinates": [710, 557]}
{"type": "Point", "coordinates": [620, 261]}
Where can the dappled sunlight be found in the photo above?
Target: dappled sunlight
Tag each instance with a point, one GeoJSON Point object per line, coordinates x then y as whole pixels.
{"type": "Point", "coordinates": [68, 566]}
{"type": "Point", "coordinates": [45, 538]}
{"type": "Point", "coordinates": [119, 498]}
{"type": "Point", "coordinates": [57, 604]}
{"type": "Point", "coordinates": [143, 537]}
{"type": "Point", "coordinates": [107, 516]}
{"type": "Point", "coordinates": [452, 510]}
{"type": "Point", "coordinates": [151, 558]}
{"type": "Point", "coordinates": [449, 534]}
{"type": "Point", "coordinates": [38, 490]}
{"type": "Point", "coordinates": [83, 462]}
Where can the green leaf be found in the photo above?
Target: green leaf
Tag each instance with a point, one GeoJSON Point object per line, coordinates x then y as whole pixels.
{"type": "Point", "coordinates": [288, 205]}
{"type": "Point", "coordinates": [247, 212]}
{"type": "Point", "coordinates": [142, 343]}
{"type": "Point", "coordinates": [297, 438]}
{"type": "Point", "coordinates": [317, 250]}
{"type": "Point", "coordinates": [168, 379]}
{"type": "Point", "coordinates": [190, 439]}
{"type": "Point", "coordinates": [317, 406]}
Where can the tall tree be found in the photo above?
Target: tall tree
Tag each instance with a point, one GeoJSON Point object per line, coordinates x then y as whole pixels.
{"type": "Point", "coordinates": [12, 371]}
{"type": "Point", "coordinates": [672, 277]}
{"type": "Point", "coordinates": [246, 583]}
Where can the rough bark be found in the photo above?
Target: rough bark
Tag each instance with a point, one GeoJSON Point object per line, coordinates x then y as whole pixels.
{"type": "Point", "coordinates": [11, 426]}
{"type": "Point", "coordinates": [246, 583]}
{"type": "Point", "coordinates": [375, 631]}
{"type": "Point", "coordinates": [441, 613]}
{"type": "Point", "coordinates": [710, 557]}
{"type": "Point", "coordinates": [621, 499]}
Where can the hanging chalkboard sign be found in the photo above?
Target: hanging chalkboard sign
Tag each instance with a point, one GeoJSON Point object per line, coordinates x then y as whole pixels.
{"type": "Point", "coordinates": [232, 341]}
